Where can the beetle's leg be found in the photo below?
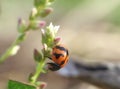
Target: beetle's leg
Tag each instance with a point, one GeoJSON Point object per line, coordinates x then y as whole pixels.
{"type": "Point", "coordinates": [53, 66]}
{"type": "Point", "coordinates": [50, 58]}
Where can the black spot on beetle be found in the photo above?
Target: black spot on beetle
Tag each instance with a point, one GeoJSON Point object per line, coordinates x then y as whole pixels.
{"type": "Point", "coordinates": [62, 62]}
{"type": "Point", "coordinates": [57, 55]}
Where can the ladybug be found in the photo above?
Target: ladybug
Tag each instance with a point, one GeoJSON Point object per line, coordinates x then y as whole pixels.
{"type": "Point", "coordinates": [59, 56]}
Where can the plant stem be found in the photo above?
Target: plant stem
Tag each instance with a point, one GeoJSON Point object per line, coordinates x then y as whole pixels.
{"type": "Point", "coordinates": [16, 42]}
{"type": "Point", "coordinates": [8, 51]}
{"type": "Point", "coordinates": [39, 69]}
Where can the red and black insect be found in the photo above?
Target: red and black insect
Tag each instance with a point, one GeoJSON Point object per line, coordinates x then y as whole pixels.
{"type": "Point", "coordinates": [59, 56]}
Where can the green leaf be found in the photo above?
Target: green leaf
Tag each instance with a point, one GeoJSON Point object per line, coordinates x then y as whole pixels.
{"type": "Point", "coordinates": [40, 4]}
{"type": "Point", "coordinates": [21, 37]}
{"type": "Point", "coordinates": [30, 77]}
{"type": "Point", "coordinates": [21, 26]}
{"type": "Point", "coordinates": [19, 85]}
{"type": "Point", "coordinates": [38, 56]}
{"type": "Point", "coordinates": [45, 12]}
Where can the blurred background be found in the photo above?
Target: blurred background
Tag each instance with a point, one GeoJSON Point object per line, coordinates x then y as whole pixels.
{"type": "Point", "coordinates": [89, 28]}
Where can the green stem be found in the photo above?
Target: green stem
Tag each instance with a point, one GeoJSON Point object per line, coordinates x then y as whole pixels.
{"type": "Point", "coordinates": [8, 51]}
{"type": "Point", "coordinates": [16, 42]}
{"type": "Point", "coordinates": [39, 69]}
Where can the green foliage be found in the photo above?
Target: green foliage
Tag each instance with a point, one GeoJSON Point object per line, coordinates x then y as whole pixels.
{"type": "Point", "coordinates": [21, 37]}
{"type": "Point", "coordinates": [48, 41]}
{"type": "Point", "coordinates": [21, 26]}
{"type": "Point", "coordinates": [24, 26]}
{"type": "Point", "coordinates": [45, 12]}
{"type": "Point", "coordinates": [40, 4]}
{"type": "Point", "coordinates": [18, 85]}
{"type": "Point", "coordinates": [41, 9]}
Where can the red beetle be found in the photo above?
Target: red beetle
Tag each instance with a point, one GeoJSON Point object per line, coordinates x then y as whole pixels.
{"type": "Point", "coordinates": [59, 56]}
